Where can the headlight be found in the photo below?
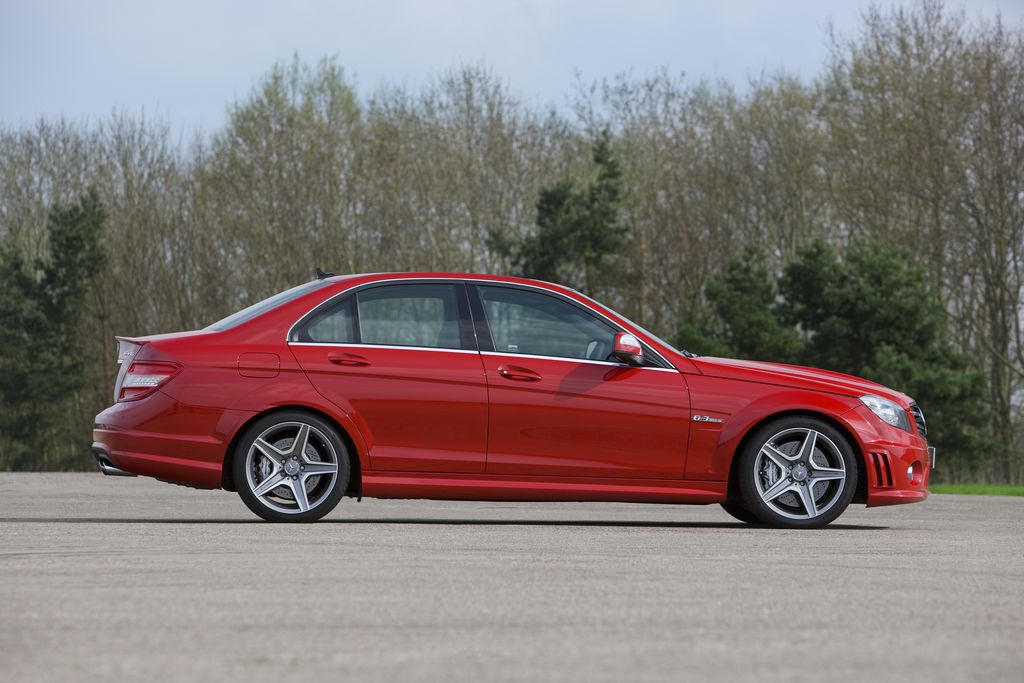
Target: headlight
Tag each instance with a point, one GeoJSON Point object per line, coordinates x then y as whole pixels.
{"type": "Point", "coordinates": [887, 411]}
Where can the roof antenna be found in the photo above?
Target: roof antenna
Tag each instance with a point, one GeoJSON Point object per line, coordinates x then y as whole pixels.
{"type": "Point", "coordinates": [320, 275]}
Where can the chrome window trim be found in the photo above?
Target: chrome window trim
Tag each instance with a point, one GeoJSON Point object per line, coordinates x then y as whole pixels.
{"type": "Point", "coordinates": [566, 359]}
{"type": "Point", "coordinates": [353, 345]}
{"type": "Point", "coordinates": [463, 280]}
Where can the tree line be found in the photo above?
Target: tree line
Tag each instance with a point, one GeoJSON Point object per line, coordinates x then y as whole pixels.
{"type": "Point", "coordinates": [656, 194]}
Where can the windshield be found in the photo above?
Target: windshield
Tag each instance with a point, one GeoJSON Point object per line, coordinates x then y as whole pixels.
{"type": "Point", "coordinates": [247, 314]}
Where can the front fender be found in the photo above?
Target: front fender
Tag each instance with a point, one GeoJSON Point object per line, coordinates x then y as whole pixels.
{"type": "Point", "coordinates": [742, 407]}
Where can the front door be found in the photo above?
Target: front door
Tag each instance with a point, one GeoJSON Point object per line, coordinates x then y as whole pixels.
{"type": "Point", "coordinates": [560, 407]}
{"type": "Point", "coordinates": [400, 360]}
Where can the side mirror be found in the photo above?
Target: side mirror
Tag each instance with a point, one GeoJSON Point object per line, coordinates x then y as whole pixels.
{"type": "Point", "coordinates": [627, 349]}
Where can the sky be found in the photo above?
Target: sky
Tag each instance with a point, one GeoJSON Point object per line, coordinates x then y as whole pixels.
{"type": "Point", "coordinates": [185, 61]}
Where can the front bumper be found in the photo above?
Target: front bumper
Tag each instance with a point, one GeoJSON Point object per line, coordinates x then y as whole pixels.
{"type": "Point", "coordinates": [898, 464]}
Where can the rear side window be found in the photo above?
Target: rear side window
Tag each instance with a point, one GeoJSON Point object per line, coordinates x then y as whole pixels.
{"type": "Point", "coordinates": [425, 315]}
{"type": "Point", "coordinates": [337, 325]}
{"type": "Point", "coordinates": [257, 309]}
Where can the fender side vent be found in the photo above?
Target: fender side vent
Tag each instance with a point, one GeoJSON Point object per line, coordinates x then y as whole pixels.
{"type": "Point", "coordinates": [883, 471]}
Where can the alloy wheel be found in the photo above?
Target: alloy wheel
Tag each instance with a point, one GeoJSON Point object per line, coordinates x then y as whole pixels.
{"type": "Point", "coordinates": [800, 473]}
{"type": "Point", "coordinates": [291, 467]}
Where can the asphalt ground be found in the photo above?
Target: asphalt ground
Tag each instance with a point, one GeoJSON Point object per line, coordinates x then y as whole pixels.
{"type": "Point", "coordinates": [105, 578]}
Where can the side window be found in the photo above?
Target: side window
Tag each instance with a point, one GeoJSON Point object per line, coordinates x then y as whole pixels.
{"type": "Point", "coordinates": [336, 325]}
{"type": "Point", "coordinates": [410, 315]}
{"type": "Point", "coordinates": [527, 322]}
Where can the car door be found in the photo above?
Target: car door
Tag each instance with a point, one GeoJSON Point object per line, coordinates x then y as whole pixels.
{"type": "Point", "coordinates": [558, 406]}
{"type": "Point", "coordinates": [400, 359]}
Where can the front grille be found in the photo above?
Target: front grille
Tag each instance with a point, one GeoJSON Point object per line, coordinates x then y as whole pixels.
{"type": "Point", "coordinates": [883, 472]}
{"type": "Point", "coordinates": [922, 426]}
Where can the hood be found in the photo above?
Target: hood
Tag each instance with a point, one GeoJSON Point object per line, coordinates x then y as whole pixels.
{"type": "Point", "coordinates": [796, 376]}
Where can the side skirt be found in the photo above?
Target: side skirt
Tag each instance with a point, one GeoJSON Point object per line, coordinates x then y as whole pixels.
{"type": "Point", "coordinates": [517, 488]}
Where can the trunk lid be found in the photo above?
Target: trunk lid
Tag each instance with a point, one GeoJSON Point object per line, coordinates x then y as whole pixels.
{"type": "Point", "coordinates": [130, 349]}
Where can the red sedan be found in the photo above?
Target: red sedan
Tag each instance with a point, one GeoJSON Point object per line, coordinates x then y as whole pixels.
{"type": "Point", "coordinates": [478, 387]}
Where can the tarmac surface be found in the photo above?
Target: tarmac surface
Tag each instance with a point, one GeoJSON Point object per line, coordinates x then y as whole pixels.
{"type": "Point", "coordinates": [106, 578]}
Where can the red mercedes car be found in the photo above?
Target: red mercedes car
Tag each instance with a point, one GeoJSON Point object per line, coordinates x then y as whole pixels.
{"type": "Point", "coordinates": [479, 387]}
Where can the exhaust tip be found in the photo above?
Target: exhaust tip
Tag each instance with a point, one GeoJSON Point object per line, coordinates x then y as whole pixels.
{"type": "Point", "coordinates": [107, 465]}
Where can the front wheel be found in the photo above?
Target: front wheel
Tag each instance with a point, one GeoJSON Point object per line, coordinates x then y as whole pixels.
{"type": "Point", "coordinates": [797, 472]}
{"type": "Point", "coordinates": [291, 467]}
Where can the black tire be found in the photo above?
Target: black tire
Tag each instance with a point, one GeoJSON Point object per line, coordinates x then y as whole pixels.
{"type": "Point", "coordinates": [741, 513]}
{"type": "Point", "coordinates": [810, 493]}
{"type": "Point", "coordinates": [320, 489]}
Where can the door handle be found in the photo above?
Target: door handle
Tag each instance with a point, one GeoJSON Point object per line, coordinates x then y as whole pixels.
{"type": "Point", "coordinates": [348, 359]}
{"type": "Point", "coordinates": [517, 373]}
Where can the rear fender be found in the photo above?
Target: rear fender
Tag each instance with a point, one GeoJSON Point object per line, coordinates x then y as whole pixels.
{"type": "Point", "coordinates": [300, 394]}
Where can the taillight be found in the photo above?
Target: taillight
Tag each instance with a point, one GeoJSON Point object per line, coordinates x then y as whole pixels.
{"type": "Point", "coordinates": [143, 378]}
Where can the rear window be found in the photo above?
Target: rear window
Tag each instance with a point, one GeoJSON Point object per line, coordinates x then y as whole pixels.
{"type": "Point", "coordinates": [257, 309]}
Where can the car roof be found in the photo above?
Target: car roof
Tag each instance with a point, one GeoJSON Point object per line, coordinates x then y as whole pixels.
{"type": "Point", "coordinates": [441, 275]}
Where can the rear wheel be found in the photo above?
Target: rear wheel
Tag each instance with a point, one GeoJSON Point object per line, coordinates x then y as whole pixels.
{"type": "Point", "coordinates": [291, 467]}
{"type": "Point", "coordinates": [797, 472]}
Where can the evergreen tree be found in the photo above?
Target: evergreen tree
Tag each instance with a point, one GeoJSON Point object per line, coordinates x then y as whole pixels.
{"type": "Point", "coordinates": [578, 228]}
{"type": "Point", "coordinates": [743, 298]}
{"type": "Point", "coordinates": [41, 307]}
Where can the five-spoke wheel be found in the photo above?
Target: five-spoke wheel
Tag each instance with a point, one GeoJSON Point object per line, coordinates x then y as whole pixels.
{"type": "Point", "coordinates": [291, 466]}
{"type": "Point", "coordinates": [796, 472]}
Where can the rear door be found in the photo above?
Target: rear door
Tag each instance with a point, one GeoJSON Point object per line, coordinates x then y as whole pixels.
{"type": "Point", "coordinates": [559, 406]}
{"type": "Point", "coordinates": [400, 359]}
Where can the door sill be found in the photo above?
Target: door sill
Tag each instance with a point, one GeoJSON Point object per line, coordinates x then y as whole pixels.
{"type": "Point", "coordinates": [503, 487]}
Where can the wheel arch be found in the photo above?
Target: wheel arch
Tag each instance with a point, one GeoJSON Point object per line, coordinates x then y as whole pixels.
{"type": "Point", "coordinates": [355, 484]}
{"type": "Point", "coordinates": [859, 496]}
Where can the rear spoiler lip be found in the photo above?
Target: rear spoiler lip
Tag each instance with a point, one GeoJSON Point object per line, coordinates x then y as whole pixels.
{"type": "Point", "coordinates": [132, 340]}
{"type": "Point", "coordinates": [124, 354]}
{"type": "Point", "coordinates": [149, 338]}
{"type": "Point", "coordinates": [153, 340]}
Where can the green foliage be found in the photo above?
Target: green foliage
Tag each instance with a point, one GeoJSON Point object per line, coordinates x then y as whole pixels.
{"type": "Point", "coordinates": [41, 307]}
{"type": "Point", "coordinates": [578, 228]}
{"type": "Point", "coordinates": [744, 298]}
{"type": "Point", "coordinates": [869, 314]}
{"type": "Point", "coordinates": [695, 337]}
{"type": "Point", "coordinates": [870, 300]}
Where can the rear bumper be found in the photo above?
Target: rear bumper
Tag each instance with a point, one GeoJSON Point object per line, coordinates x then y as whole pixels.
{"type": "Point", "coordinates": [897, 463]}
{"type": "Point", "coordinates": [159, 437]}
